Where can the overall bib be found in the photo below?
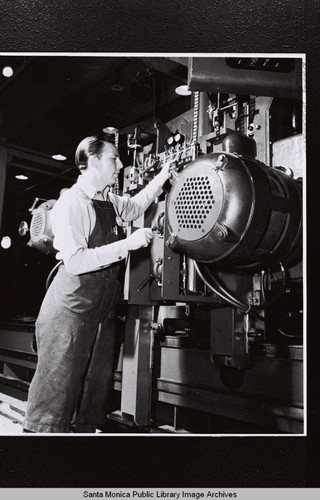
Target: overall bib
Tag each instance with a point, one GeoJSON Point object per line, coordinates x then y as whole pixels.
{"type": "Point", "coordinates": [75, 342]}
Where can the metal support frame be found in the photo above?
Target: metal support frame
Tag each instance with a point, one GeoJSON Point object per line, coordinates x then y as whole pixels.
{"type": "Point", "coordinates": [270, 395]}
{"type": "Point", "coordinates": [3, 174]}
{"type": "Point", "coordinates": [137, 366]}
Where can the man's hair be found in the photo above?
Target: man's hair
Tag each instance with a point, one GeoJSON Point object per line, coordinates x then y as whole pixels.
{"type": "Point", "coordinates": [92, 145]}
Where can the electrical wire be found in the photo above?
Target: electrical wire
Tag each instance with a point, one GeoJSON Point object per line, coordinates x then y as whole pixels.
{"type": "Point", "coordinates": [265, 303]}
{"type": "Point", "coordinates": [218, 289]}
{"type": "Point", "coordinates": [262, 286]}
{"type": "Point", "coordinates": [52, 272]}
{"type": "Point", "coordinates": [226, 297]}
{"type": "Point", "coordinates": [241, 305]}
{"type": "Point", "coordinates": [288, 335]}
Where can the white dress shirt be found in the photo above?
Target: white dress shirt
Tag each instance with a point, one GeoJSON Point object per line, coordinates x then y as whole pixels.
{"type": "Point", "coordinates": [73, 219]}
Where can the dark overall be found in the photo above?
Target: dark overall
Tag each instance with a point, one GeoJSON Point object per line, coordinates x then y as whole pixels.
{"type": "Point", "coordinates": [75, 342]}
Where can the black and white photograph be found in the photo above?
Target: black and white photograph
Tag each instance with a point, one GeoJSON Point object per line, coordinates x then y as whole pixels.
{"type": "Point", "coordinates": [159, 208]}
{"type": "Point", "coordinates": [152, 255]}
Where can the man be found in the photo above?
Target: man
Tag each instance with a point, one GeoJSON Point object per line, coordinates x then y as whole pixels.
{"type": "Point", "coordinates": [75, 327]}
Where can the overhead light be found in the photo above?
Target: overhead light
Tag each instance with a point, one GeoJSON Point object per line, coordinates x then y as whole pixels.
{"type": "Point", "coordinates": [117, 87]}
{"type": "Point", "coordinates": [59, 157]}
{"type": "Point", "coordinates": [183, 90]}
{"type": "Point", "coordinates": [112, 135]}
{"type": "Point", "coordinates": [22, 177]}
{"type": "Point", "coordinates": [7, 71]}
{"type": "Point", "coordinates": [23, 228]}
{"type": "Point", "coordinates": [6, 242]}
{"type": "Point", "coordinates": [110, 130]}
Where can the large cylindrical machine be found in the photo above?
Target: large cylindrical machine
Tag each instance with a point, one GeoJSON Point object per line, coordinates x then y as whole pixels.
{"type": "Point", "coordinates": [236, 212]}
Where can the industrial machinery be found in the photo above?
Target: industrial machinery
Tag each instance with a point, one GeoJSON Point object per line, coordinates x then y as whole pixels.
{"type": "Point", "coordinates": [214, 324]}
{"type": "Point", "coordinates": [211, 323]}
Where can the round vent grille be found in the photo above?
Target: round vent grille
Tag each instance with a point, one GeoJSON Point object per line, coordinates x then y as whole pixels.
{"type": "Point", "coordinates": [195, 202]}
{"type": "Point", "coordinates": [37, 225]}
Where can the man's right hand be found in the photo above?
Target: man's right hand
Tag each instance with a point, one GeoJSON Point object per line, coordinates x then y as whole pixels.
{"type": "Point", "coordinates": [140, 238]}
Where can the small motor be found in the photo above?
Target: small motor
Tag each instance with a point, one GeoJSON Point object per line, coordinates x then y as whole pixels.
{"type": "Point", "coordinates": [41, 236]}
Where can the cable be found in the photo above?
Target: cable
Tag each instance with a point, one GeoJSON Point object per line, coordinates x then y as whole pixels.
{"type": "Point", "coordinates": [206, 282]}
{"type": "Point", "coordinates": [241, 305]}
{"type": "Point", "coordinates": [262, 283]}
{"type": "Point", "coordinates": [50, 276]}
{"type": "Point", "coordinates": [226, 297]}
{"type": "Point", "coordinates": [234, 301]}
{"type": "Point", "coordinates": [288, 335]}
{"type": "Point", "coordinates": [265, 303]}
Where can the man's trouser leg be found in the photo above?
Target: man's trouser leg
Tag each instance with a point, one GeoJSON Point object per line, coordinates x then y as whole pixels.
{"type": "Point", "coordinates": [64, 341]}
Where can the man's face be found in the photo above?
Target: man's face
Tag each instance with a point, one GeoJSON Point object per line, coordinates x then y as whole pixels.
{"type": "Point", "coordinates": [108, 166]}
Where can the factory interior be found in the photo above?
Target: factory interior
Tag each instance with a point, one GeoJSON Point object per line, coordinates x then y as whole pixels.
{"type": "Point", "coordinates": [210, 327]}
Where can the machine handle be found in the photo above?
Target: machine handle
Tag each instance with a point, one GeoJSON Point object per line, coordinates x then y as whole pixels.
{"type": "Point", "coordinates": [145, 282]}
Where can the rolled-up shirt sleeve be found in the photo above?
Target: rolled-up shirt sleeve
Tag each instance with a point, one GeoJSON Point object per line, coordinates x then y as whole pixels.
{"type": "Point", "coordinates": [71, 225]}
{"type": "Point", "coordinates": [129, 209]}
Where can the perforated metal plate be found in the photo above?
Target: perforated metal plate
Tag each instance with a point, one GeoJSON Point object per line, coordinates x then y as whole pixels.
{"type": "Point", "coordinates": [195, 201]}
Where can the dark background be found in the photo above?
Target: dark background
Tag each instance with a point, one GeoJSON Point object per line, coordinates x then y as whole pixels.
{"type": "Point", "coordinates": [283, 26]}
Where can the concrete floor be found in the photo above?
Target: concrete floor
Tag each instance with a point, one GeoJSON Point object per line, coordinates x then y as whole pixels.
{"type": "Point", "coordinates": [13, 404]}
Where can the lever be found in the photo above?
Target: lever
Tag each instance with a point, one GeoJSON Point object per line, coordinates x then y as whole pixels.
{"type": "Point", "coordinates": [145, 282]}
